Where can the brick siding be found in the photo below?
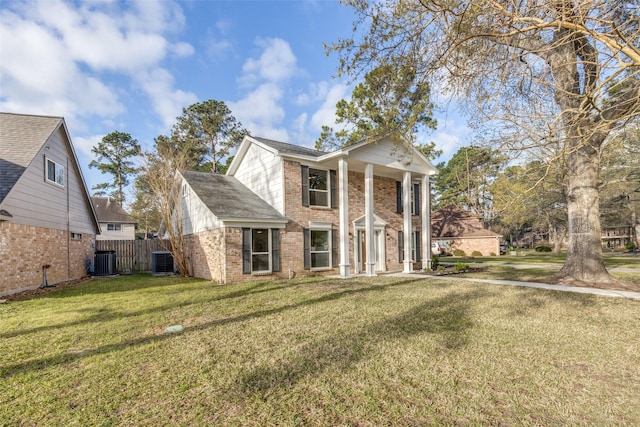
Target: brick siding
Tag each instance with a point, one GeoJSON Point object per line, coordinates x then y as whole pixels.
{"type": "Point", "coordinates": [25, 249]}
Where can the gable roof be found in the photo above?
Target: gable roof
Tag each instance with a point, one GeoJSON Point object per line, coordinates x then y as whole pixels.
{"type": "Point", "coordinates": [228, 199]}
{"type": "Point", "coordinates": [284, 148]}
{"type": "Point", "coordinates": [453, 222]}
{"type": "Point", "coordinates": [108, 210]}
{"type": "Point", "coordinates": [392, 158]}
{"type": "Point", "coordinates": [21, 137]}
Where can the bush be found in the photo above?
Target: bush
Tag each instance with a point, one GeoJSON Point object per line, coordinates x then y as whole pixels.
{"type": "Point", "coordinates": [459, 252]}
{"type": "Point", "coordinates": [476, 253]}
{"type": "Point", "coordinates": [630, 246]}
{"type": "Point", "coordinates": [492, 254]}
{"type": "Point", "coordinates": [461, 266]}
{"type": "Point", "coordinates": [543, 248]}
{"type": "Point", "coordinates": [435, 262]}
{"type": "Point", "coordinates": [441, 268]}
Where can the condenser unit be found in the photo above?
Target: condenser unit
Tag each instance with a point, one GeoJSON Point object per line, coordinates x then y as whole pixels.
{"type": "Point", "coordinates": [161, 263]}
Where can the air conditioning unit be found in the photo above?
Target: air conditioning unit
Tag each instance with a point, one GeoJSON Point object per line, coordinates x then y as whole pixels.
{"type": "Point", "coordinates": [161, 263]}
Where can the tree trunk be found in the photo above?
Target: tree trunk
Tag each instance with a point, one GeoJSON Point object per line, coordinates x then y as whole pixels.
{"type": "Point", "coordinates": [584, 260]}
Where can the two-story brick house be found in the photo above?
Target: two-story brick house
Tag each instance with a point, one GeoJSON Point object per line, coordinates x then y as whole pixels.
{"type": "Point", "coordinates": [284, 210]}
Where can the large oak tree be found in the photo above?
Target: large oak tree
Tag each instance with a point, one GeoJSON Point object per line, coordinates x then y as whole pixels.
{"type": "Point", "coordinates": [535, 73]}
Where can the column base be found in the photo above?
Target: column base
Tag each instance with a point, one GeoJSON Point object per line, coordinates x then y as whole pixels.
{"type": "Point", "coordinates": [345, 271]}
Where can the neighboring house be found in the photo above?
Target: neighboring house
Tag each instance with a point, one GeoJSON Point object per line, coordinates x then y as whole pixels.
{"type": "Point", "coordinates": [46, 215]}
{"type": "Point", "coordinates": [285, 210]}
{"type": "Point", "coordinates": [115, 222]}
{"type": "Point", "coordinates": [457, 229]}
{"type": "Point", "coordinates": [616, 237]}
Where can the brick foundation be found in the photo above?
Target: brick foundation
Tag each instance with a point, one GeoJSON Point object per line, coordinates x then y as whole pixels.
{"type": "Point", "coordinates": [25, 249]}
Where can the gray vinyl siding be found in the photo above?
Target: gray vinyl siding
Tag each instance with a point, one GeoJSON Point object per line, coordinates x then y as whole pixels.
{"type": "Point", "coordinates": [35, 201]}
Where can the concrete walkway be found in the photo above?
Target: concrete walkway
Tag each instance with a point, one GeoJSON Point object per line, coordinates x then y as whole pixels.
{"type": "Point", "coordinates": [593, 291]}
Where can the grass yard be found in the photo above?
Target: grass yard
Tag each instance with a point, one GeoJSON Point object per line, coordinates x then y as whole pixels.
{"type": "Point", "coordinates": [318, 352]}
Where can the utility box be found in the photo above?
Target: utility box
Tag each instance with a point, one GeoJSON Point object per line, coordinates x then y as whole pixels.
{"type": "Point", "coordinates": [105, 263]}
{"type": "Point", "coordinates": [161, 263]}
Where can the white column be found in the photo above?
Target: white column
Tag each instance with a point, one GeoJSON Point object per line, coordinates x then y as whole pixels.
{"type": "Point", "coordinates": [406, 209]}
{"type": "Point", "coordinates": [343, 200]}
{"type": "Point", "coordinates": [368, 221]}
{"type": "Point", "coordinates": [425, 211]}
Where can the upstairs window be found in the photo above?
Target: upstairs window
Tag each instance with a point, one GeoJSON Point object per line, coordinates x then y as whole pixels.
{"type": "Point", "coordinates": [318, 187]}
{"type": "Point", "coordinates": [55, 172]}
{"type": "Point", "coordinates": [114, 227]}
{"type": "Point", "coordinates": [415, 198]}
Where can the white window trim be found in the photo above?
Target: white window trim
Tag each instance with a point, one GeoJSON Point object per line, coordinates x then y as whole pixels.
{"type": "Point", "coordinates": [56, 166]}
{"type": "Point", "coordinates": [328, 190]}
{"type": "Point", "coordinates": [269, 253]}
{"type": "Point", "coordinates": [115, 226]}
{"type": "Point", "coordinates": [319, 226]}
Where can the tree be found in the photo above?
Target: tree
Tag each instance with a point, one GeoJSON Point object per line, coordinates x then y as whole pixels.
{"type": "Point", "coordinates": [158, 185]}
{"type": "Point", "coordinates": [389, 102]}
{"type": "Point", "coordinates": [464, 181]}
{"type": "Point", "coordinates": [207, 132]}
{"type": "Point", "coordinates": [533, 73]}
{"type": "Point", "coordinates": [533, 194]}
{"type": "Point", "coordinates": [115, 153]}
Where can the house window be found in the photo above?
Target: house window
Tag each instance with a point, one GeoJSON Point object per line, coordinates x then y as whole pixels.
{"type": "Point", "coordinates": [114, 227]}
{"type": "Point", "coordinates": [415, 246]}
{"type": "Point", "coordinates": [260, 250]}
{"type": "Point", "coordinates": [260, 253]}
{"type": "Point", "coordinates": [55, 172]}
{"type": "Point", "coordinates": [318, 187]}
{"type": "Point", "coordinates": [415, 198]}
{"type": "Point", "coordinates": [320, 246]}
{"type": "Point", "coordinates": [76, 236]}
{"type": "Point", "coordinates": [320, 249]}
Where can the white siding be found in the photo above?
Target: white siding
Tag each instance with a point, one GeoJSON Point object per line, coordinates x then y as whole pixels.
{"type": "Point", "coordinates": [127, 232]}
{"type": "Point", "coordinates": [196, 216]}
{"type": "Point", "coordinates": [261, 172]}
{"type": "Point", "coordinates": [34, 201]}
{"type": "Point", "coordinates": [386, 154]}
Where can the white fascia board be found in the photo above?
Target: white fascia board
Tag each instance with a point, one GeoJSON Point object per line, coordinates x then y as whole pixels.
{"type": "Point", "coordinates": [253, 223]}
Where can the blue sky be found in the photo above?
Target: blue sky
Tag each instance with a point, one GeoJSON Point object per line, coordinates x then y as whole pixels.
{"type": "Point", "coordinates": [133, 65]}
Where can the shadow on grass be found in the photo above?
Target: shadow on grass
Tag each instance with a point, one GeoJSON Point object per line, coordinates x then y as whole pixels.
{"type": "Point", "coordinates": [446, 317]}
{"type": "Point", "coordinates": [45, 362]}
{"type": "Point", "coordinates": [101, 314]}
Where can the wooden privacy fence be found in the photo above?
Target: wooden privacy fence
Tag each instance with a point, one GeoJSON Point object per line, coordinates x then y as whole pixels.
{"type": "Point", "coordinates": [132, 256]}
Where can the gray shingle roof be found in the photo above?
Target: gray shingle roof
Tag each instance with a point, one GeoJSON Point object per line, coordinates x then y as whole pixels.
{"type": "Point", "coordinates": [228, 198]}
{"type": "Point", "coordinates": [285, 148]}
{"type": "Point", "coordinates": [108, 210]}
{"type": "Point", "coordinates": [21, 137]}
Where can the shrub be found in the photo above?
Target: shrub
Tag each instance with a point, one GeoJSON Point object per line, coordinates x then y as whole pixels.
{"type": "Point", "coordinates": [630, 246]}
{"type": "Point", "coordinates": [435, 262]}
{"type": "Point", "coordinates": [461, 266]}
{"type": "Point", "coordinates": [476, 253]}
{"type": "Point", "coordinates": [440, 267]}
{"type": "Point", "coordinates": [543, 248]}
{"type": "Point", "coordinates": [492, 254]}
{"type": "Point", "coordinates": [459, 252]}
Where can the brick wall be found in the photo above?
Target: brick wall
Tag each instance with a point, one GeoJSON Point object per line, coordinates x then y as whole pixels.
{"type": "Point", "coordinates": [25, 249]}
{"type": "Point", "coordinates": [485, 245]}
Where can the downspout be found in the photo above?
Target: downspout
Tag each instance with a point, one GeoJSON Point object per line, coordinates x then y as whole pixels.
{"type": "Point", "coordinates": [68, 224]}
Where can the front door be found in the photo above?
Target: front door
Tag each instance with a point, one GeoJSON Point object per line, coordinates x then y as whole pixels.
{"type": "Point", "coordinates": [362, 250]}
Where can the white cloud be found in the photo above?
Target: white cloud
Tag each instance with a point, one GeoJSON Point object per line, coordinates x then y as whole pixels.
{"type": "Point", "coordinates": [326, 114]}
{"type": "Point", "coordinates": [66, 59]}
{"type": "Point", "coordinates": [277, 63]}
{"type": "Point", "coordinates": [83, 145]}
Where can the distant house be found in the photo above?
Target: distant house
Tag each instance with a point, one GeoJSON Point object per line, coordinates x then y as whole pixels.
{"type": "Point", "coordinates": [115, 222]}
{"type": "Point", "coordinates": [46, 215]}
{"type": "Point", "coordinates": [617, 236]}
{"type": "Point", "coordinates": [457, 229]}
{"type": "Point", "coordinates": [284, 210]}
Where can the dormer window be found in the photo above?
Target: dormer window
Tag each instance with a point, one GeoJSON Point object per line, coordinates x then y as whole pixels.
{"type": "Point", "coordinates": [54, 172]}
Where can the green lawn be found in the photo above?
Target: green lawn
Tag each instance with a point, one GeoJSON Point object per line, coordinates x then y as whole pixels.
{"type": "Point", "coordinates": [615, 260]}
{"type": "Point", "coordinates": [361, 352]}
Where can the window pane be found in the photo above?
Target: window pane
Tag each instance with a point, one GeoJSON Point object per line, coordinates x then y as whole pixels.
{"type": "Point", "coordinates": [317, 179]}
{"type": "Point", "coordinates": [260, 262]}
{"type": "Point", "coordinates": [51, 171]}
{"type": "Point", "coordinates": [320, 259]}
{"type": "Point", "coordinates": [260, 240]}
{"type": "Point", "coordinates": [318, 198]}
{"type": "Point", "coordinates": [111, 227]}
{"type": "Point", "coordinates": [319, 240]}
{"type": "Point", "coordinates": [59, 174]}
